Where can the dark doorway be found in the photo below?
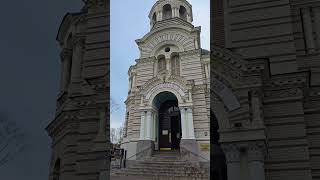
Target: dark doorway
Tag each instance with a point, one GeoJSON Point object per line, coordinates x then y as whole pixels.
{"type": "Point", "coordinates": [218, 166]}
{"type": "Point", "coordinates": [175, 132]}
{"type": "Point", "coordinates": [169, 125]}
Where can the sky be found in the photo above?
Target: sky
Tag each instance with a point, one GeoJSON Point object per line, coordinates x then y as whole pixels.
{"type": "Point", "coordinates": [129, 21]}
{"type": "Point", "coordinates": [29, 76]}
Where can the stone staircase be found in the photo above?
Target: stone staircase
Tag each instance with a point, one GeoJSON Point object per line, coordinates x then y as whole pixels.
{"type": "Point", "coordinates": [161, 166]}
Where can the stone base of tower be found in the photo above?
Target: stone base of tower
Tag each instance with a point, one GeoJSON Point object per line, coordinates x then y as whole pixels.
{"type": "Point", "coordinates": [144, 149]}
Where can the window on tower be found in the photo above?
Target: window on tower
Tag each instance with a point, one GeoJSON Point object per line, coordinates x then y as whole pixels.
{"type": "Point", "coordinates": [167, 11]}
{"type": "Point", "coordinates": [183, 13]}
{"type": "Point", "coordinates": [161, 63]}
{"type": "Point", "coordinates": [154, 18]}
{"type": "Point", "coordinates": [56, 170]}
{"type": "Point", "coordinates": [175, 65]}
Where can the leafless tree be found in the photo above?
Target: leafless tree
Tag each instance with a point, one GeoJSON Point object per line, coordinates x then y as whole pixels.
{"type": "Point", "coordinates": [114, 106]}
{"type": "Point", "coordinates": [12, 140]}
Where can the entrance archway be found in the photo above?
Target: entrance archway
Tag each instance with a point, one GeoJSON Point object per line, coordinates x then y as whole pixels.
{"type": "Point", "coordinates": [169, 121]}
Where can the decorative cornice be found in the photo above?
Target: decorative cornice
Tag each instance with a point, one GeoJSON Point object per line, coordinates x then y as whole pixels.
{"type": "Point", "coordinates": [146, 60]}
{"type": "Point", "coordinates": [65, 54]}
{"type": "Point", "coordinates": [95, 3]}
{"type": "Point", "coordinates": [257, 151]}
{"type": "Point", "coordinates": [78, 39]}
{"type": "Point", "coordinates": [232, 152]}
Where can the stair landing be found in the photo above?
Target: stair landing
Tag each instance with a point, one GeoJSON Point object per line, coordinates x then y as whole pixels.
{"type": "Point", "coordinates": [163, 165]}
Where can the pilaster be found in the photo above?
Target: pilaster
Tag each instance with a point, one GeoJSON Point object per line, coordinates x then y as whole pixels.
{"type": "Point", "coordinates": [232, 153]}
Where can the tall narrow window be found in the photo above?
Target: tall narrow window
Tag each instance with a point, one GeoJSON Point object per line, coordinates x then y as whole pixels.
{"type": "Point", "coordinates": [175, 65]}
{"type": "Point", "coordinates": [183, 13]}
{"type": "Point", "coordinates": [161, 63]}
{"type": "Point", "coordinates": [167, 11]}
{"type": "Point", "coordinates": [56, 170]}
{"type": "Point", "coordinates": [154, 18]}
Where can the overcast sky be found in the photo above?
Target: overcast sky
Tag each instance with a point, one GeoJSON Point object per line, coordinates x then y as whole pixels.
{"type": "Point", "coordinates": [129, 21]}
{"type": "Point", "coordinates": [29, 76]}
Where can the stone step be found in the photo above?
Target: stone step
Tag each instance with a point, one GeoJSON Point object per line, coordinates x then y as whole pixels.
{"type": "Point", "coordinates": [152, 177]}
{"type": "Point", "coordinates": [150, 161]}
{"type": "Point", "coordinates": [160, 172]}
{"type": "Point", "coordinates": [157, 174]}
{"type": "Point", "coordinates": [169, 169]}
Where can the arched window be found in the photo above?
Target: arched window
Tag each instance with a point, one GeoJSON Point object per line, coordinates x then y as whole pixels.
{"type": "Point", "coordinates": [183, 13]}
{"type": "Point", "coordinates": [161, 63]}
{"type": "Point", "coordinates": [154, 18]}
{"type": "Point", "coordinates": [175, 65]}
{"type": "Point", "coordinates": [167, 11]}
{"type": "Point", "coordinates": [56, 170]}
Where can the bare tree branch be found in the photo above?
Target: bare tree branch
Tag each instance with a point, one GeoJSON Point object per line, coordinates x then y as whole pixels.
{"type": "Point", "coordinates": [12, 140]}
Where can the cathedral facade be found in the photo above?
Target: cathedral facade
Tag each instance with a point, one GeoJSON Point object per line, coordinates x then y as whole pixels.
{"type": "Point", "coordinates": [168, 103]}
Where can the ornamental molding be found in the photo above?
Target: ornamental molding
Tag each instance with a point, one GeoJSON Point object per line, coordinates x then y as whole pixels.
{"type": "Point", "coordinates": [256, 151]}
{"type": "Point", "coordinates": [78, 39]}
{"type": "Point", "coordinates": [174, 3]}
{"type": "Point", "coordinates": [284, 93]}
{"type": "Point", "coordinates": [146, 60]}
{"type": "Point", "coordinates": [225, 94]}
{"type": "Point", "coordinates": [95, 3]}
{"type": "Point", "coordinates": [232, 152]}
{"type": "Point", "coordinates": [160, 79]}
{"type": "Point", "coordinates": [65, 54]}
{"type": "Point", "coordinates": [297, 79]}
{"type": "Point", "coordinates": [152, 42]}
{"type": "Point", "coordinates": [174, 84]}
{"type": "Point", "coordinates": [233, 67]}
{"type": "Point", "coordinates": [191, 53]}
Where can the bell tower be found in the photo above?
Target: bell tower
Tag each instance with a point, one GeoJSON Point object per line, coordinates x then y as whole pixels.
{"type": "Point", "coordinates": [80, 129]}
{"type": "Point", "coordinates": [163, 10]}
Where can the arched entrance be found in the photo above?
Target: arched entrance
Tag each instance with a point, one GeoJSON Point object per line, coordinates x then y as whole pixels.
{"type": "Point", "coordinates": [218, 165]}
{"type": "Point", "coordinates": [169, 121]}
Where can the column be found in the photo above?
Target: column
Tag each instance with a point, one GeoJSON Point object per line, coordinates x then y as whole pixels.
{"type": "Point", "coordinates": [155, 68]}
{"type": "Point", "coordinates": [133, 81]}
{"type": "Point", "coordinates": [160, 16]}
{"type": "Point", "coordinates": [256, 161]}
{"type": "Point", "coordinates": [66, 56]}
{"type": "Point", "coordinates": [63, 62]}
{"type": "Point", "coordinates": [316, 11]}
{"type": "Point", "coordinates": [196, 43]}
{"type": "Point", "coordinates": [142, 124]}
{"type": "Point", "coordinates": [77, 58]}
{"type": "Point", "coordinates": [149, 125]}
{"type": "Point", "coordinates": [188, 18]}
{"type": "Point", "coordinates": [168, 65]}
{"type": "Point", "coordinates": [102, 124]}
{"type": "Point", "coordinates": [256, 109]}
{"type": "Point", "coordinates": [154, 127]}
{"type": "Point", "coordinates": [206, 70]}
{"type": "Point", "coordinates": [130, 83]}
{"type": "Point", "coordinates": [173, 12]}
{"type": "Point", "coordinates": [232, 153]}
{"type": "Point", "coordinates": [307, 25]}
{"type": "Point", "coordinates": [183, 123]}
{"type": "Point", "coordinates": [190, 123]}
